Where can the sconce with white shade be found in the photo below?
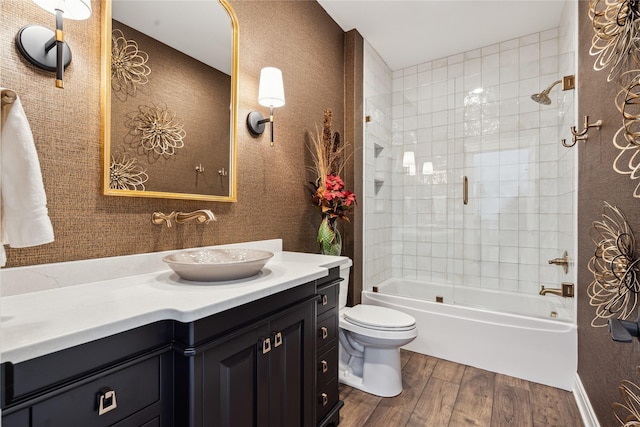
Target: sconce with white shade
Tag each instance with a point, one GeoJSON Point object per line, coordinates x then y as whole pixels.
{"type": "Point", "coordinates": [36, 43]}
{"type": "Point", "coordinates": [270, 94]}
{"type": "Point", "coordinates": [409, 162]}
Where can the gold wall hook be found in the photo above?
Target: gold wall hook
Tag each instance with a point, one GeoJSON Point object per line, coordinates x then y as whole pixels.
{"type": "Point", "coordinates": [581, 135]}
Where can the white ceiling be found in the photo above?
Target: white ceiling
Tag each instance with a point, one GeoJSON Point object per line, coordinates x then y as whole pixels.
{"type": "Point", "coordinates": [407, 33]}
{"type": "Point", "coordinates": [200, 29]}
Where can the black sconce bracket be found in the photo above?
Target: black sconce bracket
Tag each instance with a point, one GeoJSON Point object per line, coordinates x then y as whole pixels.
{"type": "Point", "coordinates": [256, 122]}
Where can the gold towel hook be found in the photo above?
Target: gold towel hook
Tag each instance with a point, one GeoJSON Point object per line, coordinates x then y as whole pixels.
{"type": "Point", "coordinates": [8, 96]}
{"type": "Point", "coordinates": [581, 135]}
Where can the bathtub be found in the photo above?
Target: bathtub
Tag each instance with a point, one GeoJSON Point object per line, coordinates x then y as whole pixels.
{"type": "Point", "coordinates": [536, 347]}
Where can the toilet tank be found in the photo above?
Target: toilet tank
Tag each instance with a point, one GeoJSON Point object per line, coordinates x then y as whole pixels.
{"type": "Point", "coordinates": [344, 285]}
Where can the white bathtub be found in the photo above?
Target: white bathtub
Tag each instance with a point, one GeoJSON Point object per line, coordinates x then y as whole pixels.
{"type": "Point", "coordinates": [535, 347]}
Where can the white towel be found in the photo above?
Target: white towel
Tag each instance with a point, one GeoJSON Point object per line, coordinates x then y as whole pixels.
{"type": "Point", "coordinates": [23, 202]}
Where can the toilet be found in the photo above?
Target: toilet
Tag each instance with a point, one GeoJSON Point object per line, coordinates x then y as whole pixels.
{"type": "Point", "coordinates": [370, 341]}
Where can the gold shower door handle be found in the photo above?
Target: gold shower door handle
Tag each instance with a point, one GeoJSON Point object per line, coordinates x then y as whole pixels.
{"type": "Point", "coordinates": [465, 190]}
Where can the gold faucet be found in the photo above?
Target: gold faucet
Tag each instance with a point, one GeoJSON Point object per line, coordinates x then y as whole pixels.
{"type": "Point", "coordinates": [565, 291]}
{"type": "Point", "coordinates": [158, 218]}
{"type": "Point", "coordinates": [201, 216]}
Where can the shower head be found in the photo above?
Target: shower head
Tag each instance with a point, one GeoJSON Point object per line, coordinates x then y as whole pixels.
{"type": "Point", "coordinates": [543, 97]}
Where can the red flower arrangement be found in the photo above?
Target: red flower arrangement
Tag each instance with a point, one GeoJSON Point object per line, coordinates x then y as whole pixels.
{"type": "Point", "coordinates": [333, 199]}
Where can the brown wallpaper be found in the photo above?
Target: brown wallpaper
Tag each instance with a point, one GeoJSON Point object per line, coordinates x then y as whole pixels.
{"type": "Point", "coordinates": [602, 363]}
{"type": "Point", "coordinates": [273, 200]}
{"type": "Point", "coordinates": [194, 95]}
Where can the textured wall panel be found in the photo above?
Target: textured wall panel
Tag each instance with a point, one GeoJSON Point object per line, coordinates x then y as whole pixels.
{"type": "Point", "coordinates": [273, 200]}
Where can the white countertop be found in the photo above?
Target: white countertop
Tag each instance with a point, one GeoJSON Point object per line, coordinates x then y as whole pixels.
{"type": "Point", "coordinates": [44, 321]}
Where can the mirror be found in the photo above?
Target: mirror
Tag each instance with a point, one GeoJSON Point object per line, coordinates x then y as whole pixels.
{"type": "Point", "coordinates": [169, 99]}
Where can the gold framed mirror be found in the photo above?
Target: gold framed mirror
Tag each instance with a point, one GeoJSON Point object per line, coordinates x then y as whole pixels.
{"type": "Point", "coordinates": [169, 99]}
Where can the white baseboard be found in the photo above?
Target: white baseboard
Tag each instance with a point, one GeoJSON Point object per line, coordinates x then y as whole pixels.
{"type": "Point", "coordinates": [584, 406]}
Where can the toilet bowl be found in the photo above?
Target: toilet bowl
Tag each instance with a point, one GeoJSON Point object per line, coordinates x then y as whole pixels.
{"type": "Point", "coordinates": [370, 338]}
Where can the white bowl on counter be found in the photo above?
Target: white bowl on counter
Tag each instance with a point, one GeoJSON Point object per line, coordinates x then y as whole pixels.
{"type": "Point", "coordinates": [216, 265]}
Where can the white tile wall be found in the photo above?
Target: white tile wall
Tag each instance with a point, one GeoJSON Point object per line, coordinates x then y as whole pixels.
{"type": "Point", "coordinates": [470, 114]}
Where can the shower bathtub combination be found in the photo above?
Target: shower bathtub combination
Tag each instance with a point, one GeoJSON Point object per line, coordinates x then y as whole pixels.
{"type": "Point", "coordinates": [538, 344]}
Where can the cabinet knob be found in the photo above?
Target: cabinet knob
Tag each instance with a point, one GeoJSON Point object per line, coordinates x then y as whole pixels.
{"type": "Point", "coordinates": [277, 339]}
{"type": "Point", "coordinates": [106, 400]}
{"type": "Point", "coordinates": [324, 332]}
{"type": "Point", "coordinates": [266, 345]}
{"type": "Point", "coordinates": [324, 300]}
{"type": "Point", "coordinates": [324, 398]}
{"type": "Point", "coordinates": [324, 366]}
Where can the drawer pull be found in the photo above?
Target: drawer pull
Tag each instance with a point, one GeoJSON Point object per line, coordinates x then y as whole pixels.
{"type": "Point", "coordinates": [266, 345]}
{"type": "Point", "coordinates": [324, 398]}
{"type": "Point", "coordinates": [277, 339]}
{"type": "Point", "coordinates": [106, 400]}
{"type": "Point", "coordinates": [324, 300]}
{"type": "Point", "coordinates": [324, 366]}
{"type": "Point", "coordinates": [324, 332]}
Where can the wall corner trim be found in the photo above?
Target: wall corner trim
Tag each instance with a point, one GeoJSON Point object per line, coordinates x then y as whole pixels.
{"type": "Point", "coordinates": [584, 405]}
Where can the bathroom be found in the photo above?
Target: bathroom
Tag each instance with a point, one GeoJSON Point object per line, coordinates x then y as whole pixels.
{"type": "Point", "coordinates": [289, 35]}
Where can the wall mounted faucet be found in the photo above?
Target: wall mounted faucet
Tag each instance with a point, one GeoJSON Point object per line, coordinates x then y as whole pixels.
{"type": "Point", "coordinates": [201, 216]}
{"type": "Point", "coordinates": [565, 291]}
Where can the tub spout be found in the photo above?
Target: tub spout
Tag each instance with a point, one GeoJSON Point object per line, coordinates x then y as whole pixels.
{"type": "Point", "coordinates": [565, 291]}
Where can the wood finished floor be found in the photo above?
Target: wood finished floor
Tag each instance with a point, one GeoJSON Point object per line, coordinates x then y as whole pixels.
{"type": "Point", "coordinates": [439, 393]}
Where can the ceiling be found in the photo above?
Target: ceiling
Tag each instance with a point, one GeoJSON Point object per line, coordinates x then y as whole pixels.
{"type": "Point", "coordinates": [407, 33]}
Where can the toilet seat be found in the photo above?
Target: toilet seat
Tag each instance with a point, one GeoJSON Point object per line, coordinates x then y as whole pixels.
{"type": "Point", "coordinates": [379, 318]}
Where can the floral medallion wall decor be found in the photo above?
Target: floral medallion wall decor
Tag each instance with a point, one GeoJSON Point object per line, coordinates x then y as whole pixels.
{"type": "Point", "coordinates": [126, 174]}
{"type": "Point", "coordinates": [627, 412]}
{"type": "Point", "coordinates": [615, 39]}
{"type": "Point", "coordinates": [328, 193]}
{"type": "Point", "coordinates": [128, 65]}
{"type": "Point", "coordinates": [156, 131]}
{"type": "Point", "coordinates": [615, 268]}
{"type": "Point", "coordinates": [616, 46]}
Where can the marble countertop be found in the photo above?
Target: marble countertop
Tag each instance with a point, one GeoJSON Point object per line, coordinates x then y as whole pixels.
{"type": "Point", "coordinates": [44, 321]}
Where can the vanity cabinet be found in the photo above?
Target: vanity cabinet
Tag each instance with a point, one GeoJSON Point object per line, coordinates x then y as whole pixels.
{"type": "Point", "coordinates": [125, 380]}
{"type": "Point", "coordinates": [270, 362]}
{"type": "Point", "coordinates": [328, 403]}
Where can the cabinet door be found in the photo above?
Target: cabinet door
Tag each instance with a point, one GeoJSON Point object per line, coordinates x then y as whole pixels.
{"type": "Point", "coordinates": [291, 368]}
{"type": "Point", "coordinates": [235, 381]}
{"type": "Point", "coordinates": [262, 376]}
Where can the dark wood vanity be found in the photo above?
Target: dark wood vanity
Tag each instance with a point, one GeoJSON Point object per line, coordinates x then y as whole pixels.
{"type": "Point", "coordinates": [270, 362]}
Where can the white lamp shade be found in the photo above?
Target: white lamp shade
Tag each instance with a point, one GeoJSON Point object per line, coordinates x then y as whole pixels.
{"type": "Point", "coordinates": [408, 159]}
{"type": "Point", "coordinates": [72, 9]}
{"type": "Point", "coordinates": [427, 168]}
{"type": "Point", "coordinates": [271, 90]}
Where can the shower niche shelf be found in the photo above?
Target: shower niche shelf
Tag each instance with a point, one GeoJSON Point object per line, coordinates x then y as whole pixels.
{"type": "Point", "coordinates": [377, 149]}
{"type": "Point", "coordinates": [377, 185]}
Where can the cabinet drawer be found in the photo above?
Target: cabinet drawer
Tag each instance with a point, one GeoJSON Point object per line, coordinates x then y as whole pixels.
{"type": "Point", "coordinates": [327, 398]}
{"type": "Point", "coordinates": [135, 387]}
{"type": "Point", "coordinates": [328, 297]}
{"type": "Point", "coordinates": [327, 330]}
{"type": "Point", "coordinates": [327, 367]}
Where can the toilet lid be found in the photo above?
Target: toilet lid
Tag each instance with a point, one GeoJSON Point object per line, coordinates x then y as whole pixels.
{"type": "Point", "coordinates": [380, 318]}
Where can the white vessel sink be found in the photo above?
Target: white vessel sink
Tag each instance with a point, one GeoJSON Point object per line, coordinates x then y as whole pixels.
{"type": "Point", "coordinates": [215, 265]}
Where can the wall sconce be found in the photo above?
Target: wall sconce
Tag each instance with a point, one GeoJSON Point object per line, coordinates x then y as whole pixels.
{"type": "Point", "coordinates": [409, 163]}
{"type": "Point", "coordinates": [270, 94]}
{"type": "Point", "coordinates": [36, 42]}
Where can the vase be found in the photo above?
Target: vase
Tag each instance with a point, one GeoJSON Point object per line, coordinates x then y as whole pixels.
{"type": "Point", "coordinates": [329, 237]}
